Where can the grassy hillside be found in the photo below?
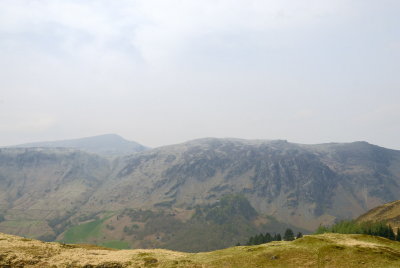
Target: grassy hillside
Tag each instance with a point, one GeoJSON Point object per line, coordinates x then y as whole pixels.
{"type": "Point", "coordinates": [82, 232]}
{"type": "Point", "coordinates": [326, 250]}
{"type": "Point", "coordinates": [389, 212]}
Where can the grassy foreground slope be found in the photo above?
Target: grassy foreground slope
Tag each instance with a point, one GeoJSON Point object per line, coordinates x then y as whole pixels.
{"type": "Point", "coordinates": [326, 250]}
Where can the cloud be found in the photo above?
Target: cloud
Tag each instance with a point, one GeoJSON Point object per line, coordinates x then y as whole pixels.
{"type": "Point", "coordinates": [245, 68]}
{"type": "Point", "coordinates": [157, 30]}
{"type": "Point", "coordinates": [172, 26]}
{"type": "Point", "coordinates": [26, 122]}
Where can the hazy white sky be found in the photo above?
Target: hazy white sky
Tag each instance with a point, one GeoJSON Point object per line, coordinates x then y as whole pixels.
{"type": "Point", "coordinates": [166, 71]}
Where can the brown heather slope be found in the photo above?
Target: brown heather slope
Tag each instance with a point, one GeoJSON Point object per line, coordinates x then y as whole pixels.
{"type": "Point", "coordinates": [327, 250]}
{"type": "Point", "coordinates": [389, 212]}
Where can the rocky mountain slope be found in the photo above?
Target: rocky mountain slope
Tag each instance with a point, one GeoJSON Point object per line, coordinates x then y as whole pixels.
{"type": "Point", "coordinates": [302, 184]}
{"type": "Point", "coordinates": [56, 193]}
{"type": "Point", "coordinates": [108, 144]}
{"type": "Point", "coordinates": [327, 250]}
{"type": "Point", "coordinates": [40, 184]}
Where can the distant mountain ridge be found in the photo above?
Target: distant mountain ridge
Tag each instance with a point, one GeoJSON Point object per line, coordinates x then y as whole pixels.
{"type": "Point", "coordinates": [107, 144]}
{"type": "Point", "coordinates": [50, 192]}
{"type": "Point", "coordinates": [302, 184]}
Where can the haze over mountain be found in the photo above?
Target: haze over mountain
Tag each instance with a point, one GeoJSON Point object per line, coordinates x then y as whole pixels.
{"type": "Point", "coordinates": [108, 144]}
{"type": "Point", "coordinates": [163, 72]}
{"type": "Point", "coordinates": [198, 195]}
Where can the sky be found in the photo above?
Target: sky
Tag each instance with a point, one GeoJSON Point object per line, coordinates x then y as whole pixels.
{"type": "Point", "coordinates": [166, 71]}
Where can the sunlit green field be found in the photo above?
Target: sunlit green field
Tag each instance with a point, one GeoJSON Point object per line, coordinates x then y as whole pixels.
{"type": "Point", "coordinates": [82, 232]}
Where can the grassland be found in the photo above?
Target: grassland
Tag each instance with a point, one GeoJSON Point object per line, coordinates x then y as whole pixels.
{"type": "Point", "coordinates": [86, 232]}
{"type": "Point", "coordinates": [325, 250]}
{"type": "Point", "coordinates": [83, 232]}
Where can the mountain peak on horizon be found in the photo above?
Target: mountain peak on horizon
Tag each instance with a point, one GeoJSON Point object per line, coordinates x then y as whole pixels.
{"type": "Point", "coordinates": [110, 144]}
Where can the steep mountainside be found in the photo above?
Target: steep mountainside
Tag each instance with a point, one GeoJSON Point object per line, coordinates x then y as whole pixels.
{"type": "Point", "coordinates": [389, 212]}
{"type": "Point", "coordinates": [327, 250]}
{"type": "Point", "coordinates": [108, 144]}
{"type": "Point", "coordinates": [303, 185]}
{"type": "Point", "coordinates": [61, 193]}
{"type": "Point", "coordinates": [40, 184]}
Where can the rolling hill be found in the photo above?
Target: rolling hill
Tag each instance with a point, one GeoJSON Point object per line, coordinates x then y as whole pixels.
{"type": "Point", "coordinates": [327, 250]}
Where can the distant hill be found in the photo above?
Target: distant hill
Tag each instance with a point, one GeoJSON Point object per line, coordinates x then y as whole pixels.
{"type": "Point", "coordinates": [389, 212]}
{"type": "Point", "coordinates": [108, 144]}
{"type": "Point", "coordinates": [327, 250]}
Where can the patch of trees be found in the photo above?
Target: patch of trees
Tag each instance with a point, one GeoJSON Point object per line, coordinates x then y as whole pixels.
{"type": "Point", "coordinates": [110, 227]}
{"type": "Point", "coordinates": [89, 216]}
{"type": "Point", "coordinates": [267, 237]}
{"type": "Point", "coordinates": [59, 224]}
{"type": "Point", "coordinates": [380, 228]}
{"type": "Point", "coordinates": [139, 214]}
{"type": "Point", "coordinates": [131, 230]}
{"type": "Point", "coordinates": [227, 209]}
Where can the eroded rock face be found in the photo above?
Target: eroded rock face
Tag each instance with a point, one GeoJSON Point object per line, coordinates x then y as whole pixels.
{"type": "Point", "coordinates": [305, 185]}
